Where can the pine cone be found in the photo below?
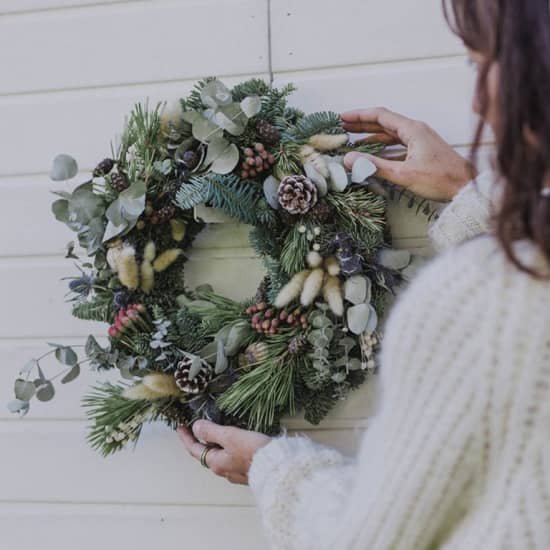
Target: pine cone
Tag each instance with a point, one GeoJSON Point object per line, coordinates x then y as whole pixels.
{"type": "Point", "coordinates": [198, 383]}
{"type": "Point", "coordinates": [297, 345]}
{"type": "Point", "coordinates": [165, 214]}
{"type": "Point", "coordinates": [103, 168]}
{"type": "Point", "coordinates": [119, 182]}
{"type": "Point", "coordinates": [269, 133]}
{"type": "Point", "coordinates": [322, 211]}
{"type": "Point", "coordinates": [253, 354]}
{"type": "Point", "coordinates": [297, 194]}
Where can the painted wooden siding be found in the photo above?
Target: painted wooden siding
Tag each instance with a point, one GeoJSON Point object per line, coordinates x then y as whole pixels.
{"type": "Point", "coordinates": [71, 69]}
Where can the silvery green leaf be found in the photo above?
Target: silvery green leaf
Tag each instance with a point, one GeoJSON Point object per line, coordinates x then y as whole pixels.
{"type": "Point", "coordinates": [230, 123]}
{"type": "Point", "coordinates": [216, 148]}
{"type": "Point", "coordinates": [271, 191]}
{"type": "Point", "coordinates": [237, 335]}
{"type": "Point", "coordinates": [209, 351]}
{"type": "Point", "coordinates": [191, 116]}
{"type": "Point", "coordinates": [29, 366]}
{"type": "Point", "coordinates": [210, 114]}
{"type": "Point", "coordinates": [394, 259]}
{"type": "Point", "coordinates": [340, 362]}
{"type": "Point", "coordinates": [64, 168]}
{"type": "Point", "coordinates": [221, 358]}
{"type": "Point", "coordinates": [227, 162]}
{"type": "Point", "coordinates": [92, 347]}
{"type": "Point", "coordinates": [45, 391]}
{"type": "Point", "coordinates": [338, 177]}
{"type": "Point", "coordinates": [339, 377]}
{"type": "Point", "coordinates": [66, 355]}
{"type": "Point", "coordinates": [358, 318]}
{"type": "Point", "coordinates": [317, 178]}
{"type": "Point", "coordinates": [85, 205]}
{"type": "Point", "coordinates": [355, 289]}
{"type": "Point", "coordinates": [347, 343]}
{"type": "Point", "coordinates": [163, 166]}
{"type": "Point", "coordinates": [251, 106]}
{"type": "Point", "coordinates": [18, 406]}
{"type": "Point", "coordinates": [195, 368]}
{"type": "Point", "coordinates": [132, 200]}
{"type": "Point", "coordinates": [373, 320]}
{"type": "Point", "coordinates": [24, 390]}
{"type": "Point", "coordinates": [215, 94]}
{"type": "Point", "coordinates": [205, 131]}
{"type": "Point", "coordinates": [60, 209]}
{"type": "Point", "coordinates": [362, 169]}
{"type": "Point", "coordinates": [112, 230]}
{"type": "Point", "coordinates": [320, 321]}
{"type": "Point", "coordinates": [354, 364]}
{"type": "Point", "coordinates": [71, 375]}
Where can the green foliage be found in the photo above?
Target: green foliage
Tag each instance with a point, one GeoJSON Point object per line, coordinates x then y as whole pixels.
{"type": "Point", "coordinates": [194, 102]}
{"type": "Point", "coordinates": [318, 405]}
{"type": "Point", "coordinates": [316, 123]}
{"type": "Point", "coordinates": [276, 277]}
{"type": "Point", "coordinates": [191, 333]}
{"type": "Point", "coordinates": [254, 86]}
{"type": "Point", "coordinates": [295, 250]}
{"type": "Point", "coordinates": [192, 194]}
{"type": "Point", "coordinates": [263, 242]}
{"type": "Point", "coordinates": [100, 308]}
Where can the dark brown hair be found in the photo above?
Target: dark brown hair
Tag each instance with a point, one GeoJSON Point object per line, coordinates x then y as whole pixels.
{"type": "Point", "coordinates": [516, 35]}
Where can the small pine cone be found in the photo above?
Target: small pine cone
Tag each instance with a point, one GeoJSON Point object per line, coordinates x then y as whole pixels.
{"type": "Point", "coordinates": [177, 413]}
{"type": "Point", "coordinates": [297, 345]}
{"type": "Point", "coordinates": [190, 159]}
{"type": "Point", "coordinates": [198, 383]}
{"type": "Point", "coordinates": [255, 353]}
{"type": "Point", "coordinates": [261, 293]}
{"type": "Point", "coordinates": [103, 168]}
{"type": "Point", "coordinates": [165, 214]}
{"type": "Point", "coordinates": [321, 211]}
{"type": "Point", "coordinates": [297, 194]}
{"type": "Point", "coordinates": [269, 133]}
{"type": "Point", "coordinates": [119, 182]}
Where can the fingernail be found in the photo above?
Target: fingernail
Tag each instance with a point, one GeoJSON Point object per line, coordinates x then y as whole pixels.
{"type": "Point", "coordinates": [350, 158]}
{"type": "Point", "coordinates": [197, 428]}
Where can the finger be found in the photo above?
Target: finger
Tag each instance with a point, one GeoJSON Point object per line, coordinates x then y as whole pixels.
{"type": "Point", "coordinates": [391, 170]}
{"type": "Point", "coordinates": [237, 479]}
{"type": "Point", "coordinates": [362, 128]}
{"type": "Point", "coordinates": [208, 432]}
{"type": "Point", "coordinates": [386, 139]}
{"type": "Point", "coordinates": [390, 122]}
{"type": "Point", "coordinates": [194, 447]}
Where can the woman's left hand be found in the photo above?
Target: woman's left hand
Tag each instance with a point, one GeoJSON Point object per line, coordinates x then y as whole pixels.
{"type": "Point", "coordinates": [237, 448]}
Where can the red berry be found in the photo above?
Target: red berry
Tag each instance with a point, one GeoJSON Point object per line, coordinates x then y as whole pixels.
{"type": "Point", "coordinates": [271, 159]}
{"type": "Point", "coordinates": [113, 332]}
{"type": "Point", "coordinates": [303, 319]}
{"type": "Point", "coordinates": [155, 219]}
{"type": "Point", "coordinates": [266, 325]}
{"type": "Point", "coordinates": [259, 147]}
{"type": "Point", "coordinates": [269, 313]}
{"type": "Point", "coordinates": [245, 175]}
{"type": "Point", "coordinates": [118, 324]}
{"type": "Point", "coordinates": [267, 166]}
{"type": "Point", "coordinates": [275, 323]}
{"type": "Point", "coordinates": [253, 173]}
{"type": "Point", "coordinates": [290, 319]}
{"type": "Point", "coordinates": [259, 162]}
{"type": "Point", "coordinates": [133, 315]}
{"type": "Point", "coordinates": [261, 306]}
{"type": "Point", "coordinates": [257, 318]}
{"type": "Point", "coordinates": [251, 161]}
{"type": "Point", "coordinates": [253, 309]}
{"type": "Point", "coordinates": [264, 155]}
{"type": "Point", "coordinates": [248, 152]}
{"type": "Point", "coordinates": [283, 315]}
{"type": "Point", "coordinates": [272, 331]}
{"type": "Point", "coordinates": [140, 308]}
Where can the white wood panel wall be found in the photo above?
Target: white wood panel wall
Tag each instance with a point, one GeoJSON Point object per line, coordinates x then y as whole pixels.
{"type": "Point", "coordinates": [71, 69]}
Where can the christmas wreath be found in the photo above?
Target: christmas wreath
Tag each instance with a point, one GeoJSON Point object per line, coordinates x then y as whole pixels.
{"type": "Point", "coordinates": [306, 339]}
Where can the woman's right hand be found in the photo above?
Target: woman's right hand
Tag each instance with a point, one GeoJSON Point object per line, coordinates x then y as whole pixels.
{"type": "Point", "coordinates": [431, 168]}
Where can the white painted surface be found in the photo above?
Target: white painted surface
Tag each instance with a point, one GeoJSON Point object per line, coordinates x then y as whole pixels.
{"type": "Point", "coordinates": [71, 69]}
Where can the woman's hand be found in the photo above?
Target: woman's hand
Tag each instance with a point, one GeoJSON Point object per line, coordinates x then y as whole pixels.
{"type": "Point", "coordinates": [431, 168]}
{"type": "Point", "coordinates": [237, 448]}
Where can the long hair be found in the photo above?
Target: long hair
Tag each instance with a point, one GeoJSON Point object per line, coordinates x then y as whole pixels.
{"type": "Point", "coordinates": [514, 34]}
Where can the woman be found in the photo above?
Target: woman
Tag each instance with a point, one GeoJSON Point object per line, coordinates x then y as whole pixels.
{"type": "Point", "coordinates": [458, 456]}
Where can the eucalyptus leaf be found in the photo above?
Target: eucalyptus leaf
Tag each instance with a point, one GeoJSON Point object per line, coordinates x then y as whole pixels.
{"type": "Point", "coordinates": [191, 117]}
{"type": "Point", "coordinates": [394, 259]}
{"type": "Point", "coordinates": [132, 200]}
{"type": "Point", "coordinates": [29, 366]}
{"type": "Point", "coordinates": [215, 94]}
{"type": "Point", "coordinates": [320, 321]}
{"type": "Point", "coordinates": [271, 191]}
{"type": "Point", "coordinates": [205, 130]}
{"type": "Point", "coordinates": [45, 391]}
{"type": "Point", "coordinates": [358, 318]}
{"type": "Point", "coordinates": [317, 178]}
{"type": "Point", "coordinates": [60, 209]}
{"type": "Point", "coordinates": [237, 335]}
{"type": "Point", "coordinates": [71, 375]}
{"type": "Point", "coordinates": [356, 289]}
{"type": "Point", "coordinates": [221, 358]}
{"type": "Point", "coordinates": [66, 355]}
{"type": "Point", "coordinates": [216, 148]}
{"type": "Point", "coordinates": [64, 168]}
{"type": "Point", "coordinates": [209, 351]}
{"type": "Point", "coordinates": [362, 169]}
{"type": "Point", "coordinates": [195, 368]}
{"type": "Point", "coordinates": [24, 390]}
{"type": "Point", "coordinates": [338, 181]}
{"type": "Point", "coordinates": [227, 161]}
{"type": "Point", "coordinates": [347, 343]}
{"type": "Point", "coordinates": [251, 106]}
{"type": "Point", "coordinates": [354, 364]}
{"type": "Point", "coordinates": [373, 320]}
{"type": "Point", "coordinates": [18, 406]}
{"type": "Point", "coordinates": [339, 377]}
{"type": "Point", "coordinates": [229, 124]}
{"type": "Point", "coordinates": [112, 230]}
{"type": "Point", "coordinates": [84, 204]}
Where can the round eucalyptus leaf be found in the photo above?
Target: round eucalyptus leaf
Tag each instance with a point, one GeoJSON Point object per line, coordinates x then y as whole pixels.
{"type": "Point", "coordinates": [209, 351]}
{"type": "Point", "coordinates": [205, 131]}
{"type": "Point", "coordinates": [362, 169]}
{"type": "Point", "coordinates": [373, 320]}
{"type": "Point", "coordinates": [64, 168]}
{"type": "Point", "coordinates": [71, 375]}
{"type": "Point", "coordinates": [24, 390]}
{"type": "Point", "coordinates": [394, 259]}
{"type": "Point", "coordinates": [271, 191]}
{"type": "Point", "coordinates": [215, 94]}
{"type": "Point", "coordinates": [251, 106]}
{"type": "Point", "coordinates": [338, 181]}
{"type": "Point", "coordinates": [339, 377]}
{"type": "Point", "coordinates": [358, 318]}
{"type": "Point", "coordinates": [317, 178]}
{"type": "Point", "coordinates": [45, 391]}
{"type": "Point", "coordinates": [66, 355]}
{"type": "Point", "coordinates": [216, 148]}
{"type": "Point", "coordinates": [60, 209]}
{"type": "Point", "coordinates": [236, 337]}
{"type": "Point", "coordinates": [355, 289]}
{"type": "Point", "coordinates": [230, 124]}
{"type": "Point", "coordinates": [321, 321]}
{"type": "Point", "coordinates": [191, 116]}
{"type": "Point", "coordinates": [18, 406]}
{"type": "Point", "coordinates": [227, 161]}
{"type": "Point", "coordinates": [354, 364]}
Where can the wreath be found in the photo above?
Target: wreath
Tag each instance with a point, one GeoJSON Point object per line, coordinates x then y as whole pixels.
{"type": "Point", "coordinates": [307, 337]}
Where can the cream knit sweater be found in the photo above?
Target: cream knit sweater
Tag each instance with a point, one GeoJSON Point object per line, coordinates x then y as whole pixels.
{"type": "Point", "coordinates": [458, 455]}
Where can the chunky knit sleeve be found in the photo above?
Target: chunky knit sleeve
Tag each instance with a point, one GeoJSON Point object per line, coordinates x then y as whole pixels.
{"type": "Point", "coordinates": [467, 215]}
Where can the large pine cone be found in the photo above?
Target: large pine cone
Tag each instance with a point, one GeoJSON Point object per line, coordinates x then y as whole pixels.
{"type": "Point", "coordinates": [269, 133]}
{"type": "Point", "coordinates": [297, 194]}
{"type": "Point", "coordinates": [195, 385]}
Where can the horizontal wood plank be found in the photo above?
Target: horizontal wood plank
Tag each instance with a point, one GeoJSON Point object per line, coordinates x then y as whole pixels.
{"type": "Point", "coordinates": [131, 43]}
{"type": "Point", "coordinates": [28, 6]}
{"type": "Point", "coordinates": [159, 471]}
{"type": "Point", "coordinates": [311, 33]}
{"type": "Point", "coordinates": [57, 526]}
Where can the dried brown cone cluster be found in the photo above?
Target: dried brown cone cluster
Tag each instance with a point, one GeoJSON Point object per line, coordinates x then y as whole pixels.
{"type": "Point", "coordinates": [256, 160]}
{"type": "Point", "coordinates": [269, 133]}
{"type": "Point", "coordinates": [253, 354]}
{"type": "Point", "coordinates": [196, 384]}
{"type": "Point", "coordinates": [297, 194]}
{"type": "Point", "coordinates": [119, 182]}
{"type": "Point", "coordinates": [297, 345]}
{"type": "Point", "coordinates": [157, 217]}
{"type": "Point", "coordinates": [103, 168]}
{"type": "Point", "coordinates": [267, 320]}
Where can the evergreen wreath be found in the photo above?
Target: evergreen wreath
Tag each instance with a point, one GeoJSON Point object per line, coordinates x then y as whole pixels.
{"type": "Point", "coordinates": [306, 339]}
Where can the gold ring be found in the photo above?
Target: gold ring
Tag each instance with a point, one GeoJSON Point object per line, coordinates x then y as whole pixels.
{"type": "Point", "coordinates": [205, 451]}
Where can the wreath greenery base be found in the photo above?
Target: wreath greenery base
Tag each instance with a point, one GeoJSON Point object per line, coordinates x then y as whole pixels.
{"type": "Point", "coordinates": [309, 335]}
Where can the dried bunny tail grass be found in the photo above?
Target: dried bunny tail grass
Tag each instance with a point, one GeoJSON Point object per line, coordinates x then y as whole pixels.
{"type": "Point", "coordinates": [140, 392]}
{"type": "Point", "coordinates": [179, 229]}
{"type": "Point", "coordinates": [327, 142]}
{"type": "Point", "coordinates": [150, 251]}
{"type": "Point", "coordinates": [314, 259]}
{"type": "Point", "coordinates": [162, 384]}
{"type": "Point", "coordinates": [309, 155]}
{"type": "Point", "coordinates": [128, 270]}
{"type": "Point", "coordinates": [312, 287]}
{"type": "Point", "coordinates": [147, 277]}
{"type": "Point", "coordinates": [332, 266]}
{"type": "Point", "coordinates": [292, 289]}
{"type": "Point", "coordinates": [332, 293]}
{"type": "Point", "coordinates": [166, 259]}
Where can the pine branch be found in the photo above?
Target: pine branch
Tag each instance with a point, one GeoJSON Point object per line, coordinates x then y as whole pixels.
{"type": "Point", "coordinates": [194, 102]}
{"type": "Point", "coordinates": [276, 277]}
{"type": "Point", "coordinates": [252, 87]}
{"type": "Point", "coordinates": [316, 123]}
{"type": "Point", "coordinates": [192, 194]}
{"type": "Point", "coordinates": [295, 250]}
{"type": "Point", "coordinates": [99, 309]}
